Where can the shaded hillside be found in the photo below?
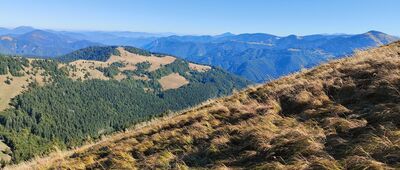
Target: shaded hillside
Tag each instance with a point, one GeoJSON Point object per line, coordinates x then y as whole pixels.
{"type": "Point", "coordinates": [260, 57]}
{"type": "Point", "coordinates": [46, 104]}
{"type": "Point", "coordinates": [40, 43]}
{"type": "Point", "coordinates": [341, 115]}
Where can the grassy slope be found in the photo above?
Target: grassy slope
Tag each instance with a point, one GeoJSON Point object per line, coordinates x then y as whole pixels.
{"type": "Point", "coordinates": [341, 115]}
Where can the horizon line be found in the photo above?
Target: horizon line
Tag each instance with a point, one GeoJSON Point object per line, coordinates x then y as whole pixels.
{"type": "Point", "coordinates": [188, 34]}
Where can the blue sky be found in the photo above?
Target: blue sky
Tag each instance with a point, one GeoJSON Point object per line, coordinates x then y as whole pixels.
{"type": "Point", "coordinates": [280, 17]}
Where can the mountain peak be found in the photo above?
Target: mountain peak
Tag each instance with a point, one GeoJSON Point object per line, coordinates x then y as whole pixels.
{"type": "Point", "coordinates": [226, 34]}
{"type": "Point", "coordinates": [374, 32]}
{"type": "Point", "coordinates": [43, 35]}
{"type": "Point", "coordinates": [380, 37]}
{"type": "Point", "coordinates": [22, 30]}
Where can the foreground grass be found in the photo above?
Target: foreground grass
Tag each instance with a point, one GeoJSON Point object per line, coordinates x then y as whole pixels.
{"type": "Point", "coordinates": [341, 115]}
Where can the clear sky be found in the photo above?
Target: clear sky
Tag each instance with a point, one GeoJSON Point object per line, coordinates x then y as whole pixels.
{"type": "Point", "coordinates": [280, 17]}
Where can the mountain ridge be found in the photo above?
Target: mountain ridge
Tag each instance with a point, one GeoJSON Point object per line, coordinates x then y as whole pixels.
{"type": "Point", "coordinates": [227, 50]}
{"type": "Point", "coordinates": [16, 30]}
{"type": "Point", "coordinates": [40, 43]}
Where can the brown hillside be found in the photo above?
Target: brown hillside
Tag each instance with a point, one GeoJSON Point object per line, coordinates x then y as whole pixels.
{"type": "Point", "coordinates": [341, 115]}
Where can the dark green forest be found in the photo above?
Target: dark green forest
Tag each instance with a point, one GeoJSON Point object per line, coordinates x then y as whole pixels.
{"type": "Point", "coordinates": [12, 65]}
{"type": "Point", "coordinates": [67, 113]}
{"type": "Point", "coordinates": [90, 53]}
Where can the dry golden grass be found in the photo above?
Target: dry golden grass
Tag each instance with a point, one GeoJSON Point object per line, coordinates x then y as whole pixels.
{"type": "Point", "coordinates": [120, 76]}
{"type": "Point", "coordinates": [198, 67]}
{"type": "Point", "coordinates": [79, 68]}
{"type": "Point", "coordinates": [18, 84]}
{"type": "Point", "coordinates": [132, 59]}
{"type": "Point", "coordinates": [172, 81]}
{"type": "Point", "coordinates": [143, 77]}
{"type": "Point", "coordinates": [5, 152]}
{"type": "Point", "coordinates": [340, 115]}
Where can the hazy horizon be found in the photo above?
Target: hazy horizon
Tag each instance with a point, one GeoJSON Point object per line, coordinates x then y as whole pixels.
{"type": "Point", "coordinates": [207, 17]}
{"type": "Point", "coordinates": [180, 34]}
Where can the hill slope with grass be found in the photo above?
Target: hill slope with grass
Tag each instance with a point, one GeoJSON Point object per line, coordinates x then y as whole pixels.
{"type": "Point", "coordinates": [48, 104]}
{"type": "Point", "coordinates": [340, 115]}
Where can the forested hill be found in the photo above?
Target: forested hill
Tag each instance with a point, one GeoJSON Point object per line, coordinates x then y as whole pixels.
{"type": "Point", "coordinates": [340, 115]}
{"type": "Point", "coordinates": [47, 104]}
{"type": "Point", "coordinates": [101, 53]}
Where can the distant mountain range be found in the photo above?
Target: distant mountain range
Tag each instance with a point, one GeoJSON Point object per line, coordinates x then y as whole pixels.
{"type": "Point", "coordinates": [17, 30]}
{"type": "Point", "coordinates": [67, 41]}
{"type": "Point", "coordinates": [31, 42]}
{"type": "Point", "coordinates": [126, 38]}
{"type": "Point", "coordinates": [258, 57]}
